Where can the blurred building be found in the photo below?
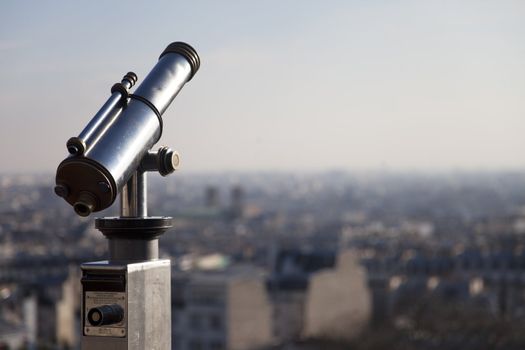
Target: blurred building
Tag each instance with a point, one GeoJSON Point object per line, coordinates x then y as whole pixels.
{"type": "Point", "coordinates": [338, 303]}
{"type": "Point", "coordinates": [18, 318]}
{"type": "Point", "coordinates": [47, 315]}
{"type": "Point", "coordinates": [67, 311]}
{"type": "Point", "coordinates": [318, 294]}
{"type": "Point", "coordinates": [212, 197]}
{"type": "Point", "coordinates": [237, 202]}
{"type": "Point", "coordinates": [222, 309]}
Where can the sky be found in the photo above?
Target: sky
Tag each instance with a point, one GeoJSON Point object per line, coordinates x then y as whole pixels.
{"type": "Point", "coordinates": [283, 85]}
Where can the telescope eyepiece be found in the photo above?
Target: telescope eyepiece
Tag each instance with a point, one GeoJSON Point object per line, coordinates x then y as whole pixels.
{"type": "Point", "coordinates": [86, 204]}
{"type": "Point", "coordinates": [82, 209]}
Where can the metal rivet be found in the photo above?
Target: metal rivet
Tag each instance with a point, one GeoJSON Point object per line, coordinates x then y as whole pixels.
{"type": "Point", "coordinates": [104, 187]}
{"type": "Point", "coordinates": [61, 191]}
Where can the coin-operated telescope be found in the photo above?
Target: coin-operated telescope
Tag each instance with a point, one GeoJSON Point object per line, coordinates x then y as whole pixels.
{"type": "Point", "coordinates": [126, 300]}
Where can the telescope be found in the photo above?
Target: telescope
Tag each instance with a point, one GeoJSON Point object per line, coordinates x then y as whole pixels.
{"type": "Point", "coordinates": [126, 300]}
{"type": "Point", "coordinates": [111, 147]}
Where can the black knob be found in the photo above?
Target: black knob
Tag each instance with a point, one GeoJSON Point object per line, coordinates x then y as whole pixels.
{"type": "Point", "coordinates": [168, 160]}
{"type": "Point", "coordinates": [105, 315]}
{"type": "Point", "coordinates": [76, 146]}
{"type": "Point", "coordinates": [188, 52]}
{"type": "Point", "coordinates": [131, 78]}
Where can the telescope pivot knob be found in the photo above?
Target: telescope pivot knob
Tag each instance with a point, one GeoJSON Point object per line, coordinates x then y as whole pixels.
{"type": "Point", "coordinates": [168, 160]}
{"type": "Point", "coordinates": [164, 160]}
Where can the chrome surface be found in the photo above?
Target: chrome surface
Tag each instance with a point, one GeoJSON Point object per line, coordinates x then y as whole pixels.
{"type": "Point", "coordinates": [147, 306]}
{"type": "Point", "coordinates": [124, 201]}
{"type": "Point", "coordinates": [127, 199]}
{"type": "Point", "coordinates": [101, 121]}
{"type": "Point", "coordinates": [122, 147]}
{"type": "Point", "coordinates": [118, 138]}
{"type": "Point", "coordinates": [142, 193]}
{"type": "Point", "coordinates": [134, 196]}
{"type": "Point", "coordinates": [165, 80]}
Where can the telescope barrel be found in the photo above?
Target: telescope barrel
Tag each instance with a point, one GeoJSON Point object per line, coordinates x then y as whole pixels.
{"type": "Point", "coordinates": [133, 196]}
{"type": "Point", "coordinates": [176, 66]}
{"type": "Point", "coordinates": [90, 131]}
{"type": "Point", "coordinates": [104, 117]}
{"type": "Point", "coordinates": [91, 181]}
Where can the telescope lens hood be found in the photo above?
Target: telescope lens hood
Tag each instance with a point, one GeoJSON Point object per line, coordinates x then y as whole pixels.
{"type": "Point", "coordinates": [187, 51]}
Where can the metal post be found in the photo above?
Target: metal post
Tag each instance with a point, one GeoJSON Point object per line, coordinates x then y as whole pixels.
{"type": "Point", "coordinates": [134, 196]}
{"type": "Point", "coordinates": [142, 193]}
{"type": "Point", "coordinates": [121, 310]}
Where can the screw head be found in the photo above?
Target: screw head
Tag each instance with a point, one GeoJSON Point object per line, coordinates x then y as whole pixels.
{"type": "Point", "coordinates": [104, 187]}
{"type": "Point", "coordinates": [61, 191]}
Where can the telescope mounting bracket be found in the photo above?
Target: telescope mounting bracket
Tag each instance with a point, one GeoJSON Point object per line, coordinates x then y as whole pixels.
{"type": "Point", "coordinates": [133, 236]}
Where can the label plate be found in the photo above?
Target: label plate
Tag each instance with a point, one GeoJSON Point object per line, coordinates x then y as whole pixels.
{"type": "Point", "coordinates": [94, 299]}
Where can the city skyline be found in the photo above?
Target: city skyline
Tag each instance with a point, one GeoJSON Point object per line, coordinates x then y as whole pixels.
{"type": "Point", "coordinates": [312, 257]}
{"type": "Point", "coordinates": [294, 86]}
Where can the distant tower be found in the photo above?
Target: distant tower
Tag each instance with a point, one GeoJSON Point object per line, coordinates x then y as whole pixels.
{"type": "Point", "coordinates": [212, 197]}
{"type": "Point", "coordinates": [378, 286]}
{"type": "Point", "coordinates": [237, 201]}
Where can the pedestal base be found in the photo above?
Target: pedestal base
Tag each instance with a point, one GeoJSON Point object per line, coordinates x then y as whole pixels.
{"type": "Point", "coordinates": [141, 291]}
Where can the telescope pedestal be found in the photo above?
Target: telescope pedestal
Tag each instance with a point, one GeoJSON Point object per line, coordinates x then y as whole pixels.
{"type": "Point", "coordinates": [126, 301]}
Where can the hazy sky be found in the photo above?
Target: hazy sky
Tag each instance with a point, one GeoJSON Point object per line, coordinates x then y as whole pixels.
{"type": "Point", "coordinates": [283, 85]}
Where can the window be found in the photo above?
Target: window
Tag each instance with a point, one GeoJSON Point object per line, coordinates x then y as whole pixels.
{"type": "Point", "coordinates": [195, 344]}
{"type": "Point", "coordinates": [216, 345]}
{"type": "Point", "coordinates": [195, 321]}
{"type": "Point", "coordinates": [215, 322]}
